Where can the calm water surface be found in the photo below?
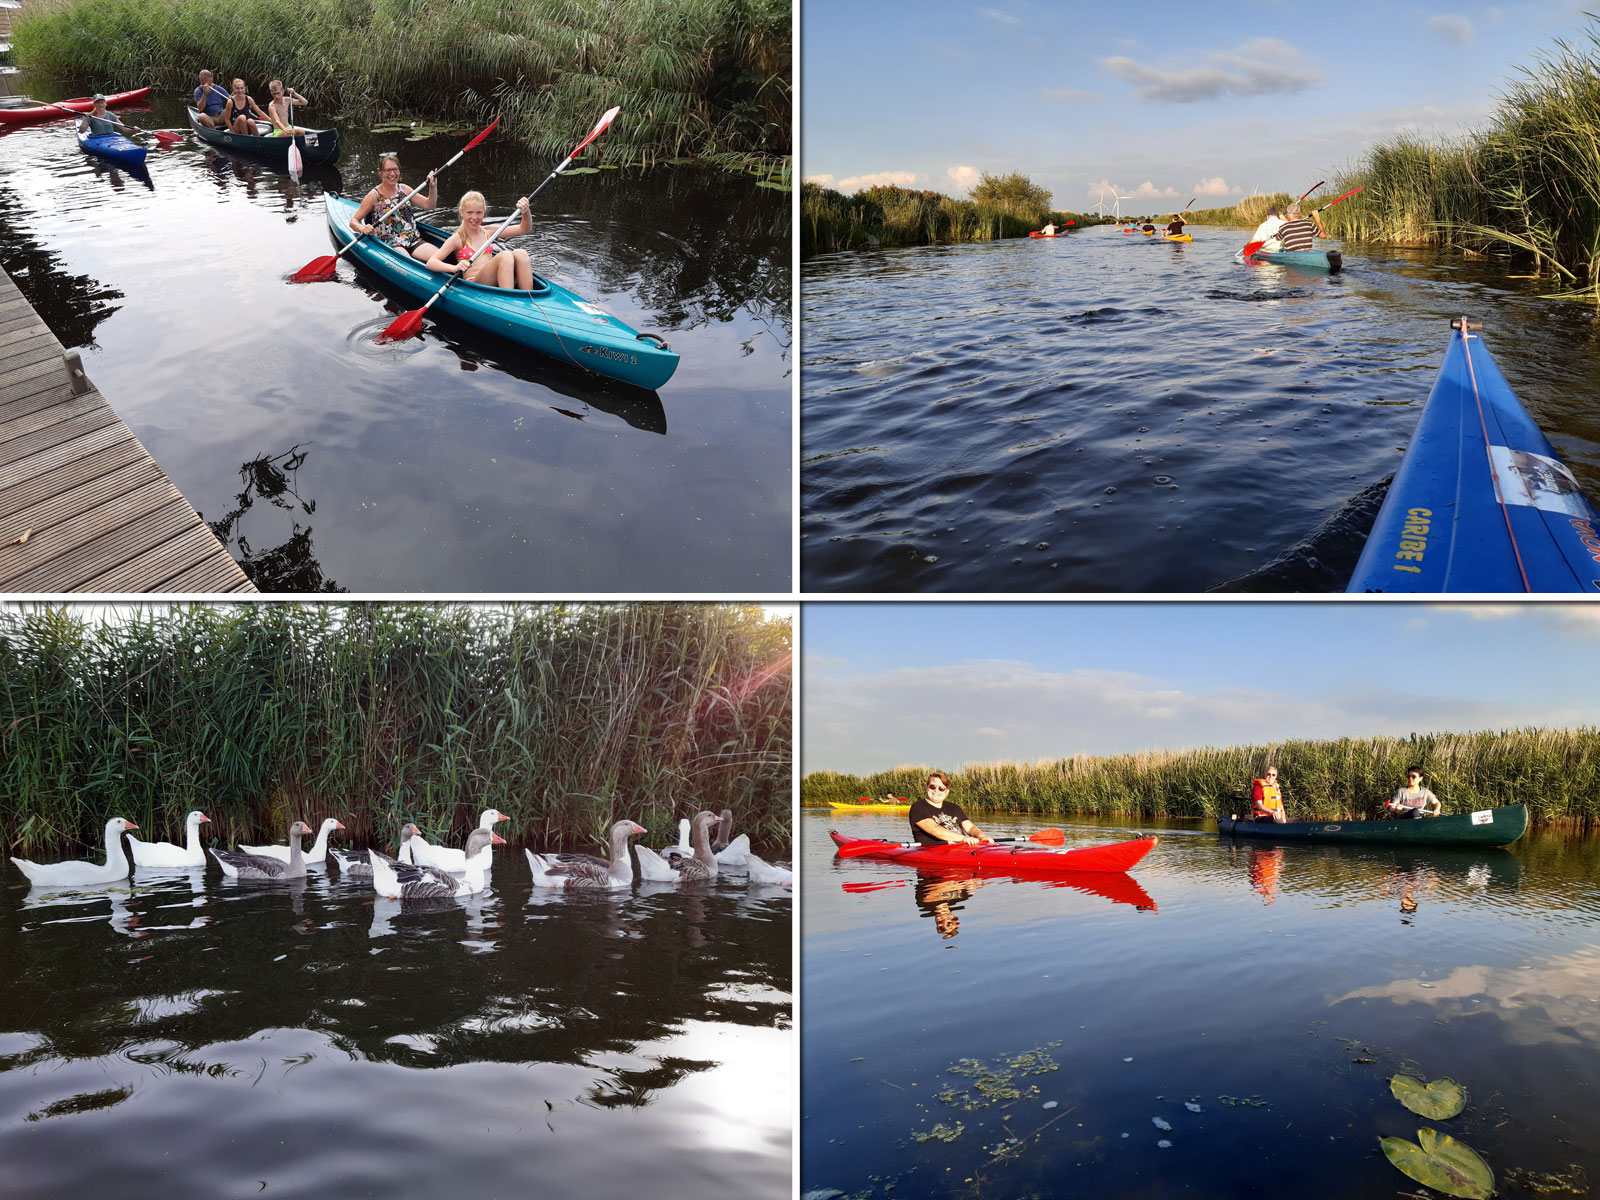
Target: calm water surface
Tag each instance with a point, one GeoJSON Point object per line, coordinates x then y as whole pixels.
{"type": "Point", "coordinates": [192, 1037]}
{"type": "Point", "coordinates": [1107, 413]}
{"type": "Point", "coordinates": [454, 463]}
{"type": "Point", "coordinates": [1275, 987]}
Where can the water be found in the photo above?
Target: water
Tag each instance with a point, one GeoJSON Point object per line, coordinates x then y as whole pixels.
{"type": "Point", "coordinates": [1277, 987]}
{"type": "Point", "coordinates": [451, 463]}
{"type": "Point", "coordinates": [192, 1037]}
{"type": "Point", "coordinates": [1108, 413]}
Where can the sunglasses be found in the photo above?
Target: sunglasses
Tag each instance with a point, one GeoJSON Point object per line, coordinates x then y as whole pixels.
{"type": "Point", "coordinates": [937, 787]}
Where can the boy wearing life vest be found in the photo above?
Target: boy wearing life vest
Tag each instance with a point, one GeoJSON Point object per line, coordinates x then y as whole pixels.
{"type": "Point", "coordinates": [1266, 798]}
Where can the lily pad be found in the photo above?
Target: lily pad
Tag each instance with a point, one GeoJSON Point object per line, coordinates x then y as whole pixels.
{"type": "Point", "coordinates": [674, 162]}
{"type": "Point", "coordinates": [581, 171]}
{"type": "Point", "coordinates": [1442, 1163]}
{"type": "Point", "coordinates": [1439, 1100]}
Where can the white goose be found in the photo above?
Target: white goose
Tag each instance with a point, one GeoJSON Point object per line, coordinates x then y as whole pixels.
{"type": "Point", "coordinates": [575, 871]}
{"type": "Point", "coordinates": [317, 854]}
{"type": "Point", "coordinates": [701, 867]}
{"type": "Point", "coordinates": [236, 865]}
{"type": "Point", "coordinates": [770, 873]}
{"type": "Point", "coordinates": [425, 854]}
{"type": "Point", "coordinates": [79, 873]}
{"type": "Point", "coordinates": [682, 849]}
{"type": "Point", "coordinates": [401, 882]}
{"type": "Point", "coordinates": [165, 854]}
{"type": "Point", "coordinates": [730, 851]}
{"type": "Point", "coordinates": [352, 862]}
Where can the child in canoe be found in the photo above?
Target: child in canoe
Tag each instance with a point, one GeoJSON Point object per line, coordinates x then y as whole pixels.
{"type": "Point", "coordinates": [278, 109]}
{"type": "Point", "coordinates": [395, 224]}
{"type": "Point", "coordinates": [466, 252]}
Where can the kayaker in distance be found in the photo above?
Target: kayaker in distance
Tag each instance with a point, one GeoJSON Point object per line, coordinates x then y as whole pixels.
{"type": "Point", "coordinates": [937, 819]}
{"type": "Point", "coordinates": [394, 227]}
{"type": "Point", "coordinates": [1414, 800]}
{"type": "Point", "coordinates": [1297, 233]}
{"type": "Point", "coordinates": [506, 268]}
{"type": "Point", "coordinates": [1266, 798]}
{"type": "Point", "coordinates": [1148, 227]}
{"type": "Point", "coordinates": [1049, 230]}
{"type": "Point", "coordinates": [210, 100]}
{"type": "Point", "coordinates": [1175, 228]}
{"type": "Point", "coordinates": [1268, 229]}
{"type": "Point", "coordinates": [236, 112]}
{"type": "Point", "coordinates": [278, 109]}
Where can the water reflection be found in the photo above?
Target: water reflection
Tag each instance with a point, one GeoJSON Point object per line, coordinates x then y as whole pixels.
{"type": "Point", "coordinates": [77, 303]}
{"type": "Point", "coordinates": [290, 566]}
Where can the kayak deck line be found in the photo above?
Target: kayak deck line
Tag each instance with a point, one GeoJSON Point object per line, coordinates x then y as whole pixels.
{"type": "Point", "coordinates": [1481, 502]}
{"type": "Point", "coordinates": [83, 506]}
{"type": "Point", "coordinates": [1112, 857]}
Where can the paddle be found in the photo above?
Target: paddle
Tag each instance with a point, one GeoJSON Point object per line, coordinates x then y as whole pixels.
{"type": "Point", "coordinates": [1045, 837]}
{"type": "Point", "coordinates": [159, 134]}
{"type": "Point", "coordinates": [296, 165]}
{"type": "Point", "coordinates": [319, 269]}
{"type": "Point", "coordinates": [409, 324]}
{"type": "Point", "coordinates": [1251, 247]}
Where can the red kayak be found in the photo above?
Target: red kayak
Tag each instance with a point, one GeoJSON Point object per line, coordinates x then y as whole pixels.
{"type": "Point", "coordinates": [1117, 856]}
{"type": "Point", "coordinates": [16, 116]}
{"type": "Point", "coordinates": [1036, 233]}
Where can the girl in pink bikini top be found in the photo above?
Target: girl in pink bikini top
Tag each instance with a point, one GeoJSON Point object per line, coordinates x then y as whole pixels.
{"type": "Point", "coordinates": [468, 252]}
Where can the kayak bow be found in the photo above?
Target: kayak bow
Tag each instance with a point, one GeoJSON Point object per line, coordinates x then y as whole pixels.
{"type": "Point", "coordinates": [1481, 502]}
{"type": "Point", "coordinates": [83, 104]}
{"type": "Point", "coordinates": [113, 147]}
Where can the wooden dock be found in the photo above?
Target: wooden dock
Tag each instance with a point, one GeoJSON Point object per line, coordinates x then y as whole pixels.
{"type": "Point", "coordinates": [83, 506]}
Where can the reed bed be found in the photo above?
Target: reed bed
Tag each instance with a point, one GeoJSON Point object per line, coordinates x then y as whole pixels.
{"type": "Point", "coordinates": [697, 77]}
{"type": "Point", "coordinates": [895, 216]}
{"type": "Point", "coordinates": [565, 717]}
{"type": "Point", "coordinates": [1556, 772]}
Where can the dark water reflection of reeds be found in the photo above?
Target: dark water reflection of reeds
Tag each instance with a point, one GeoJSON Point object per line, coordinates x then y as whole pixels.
{"type": "Point", "coordinates": [205, 1036]}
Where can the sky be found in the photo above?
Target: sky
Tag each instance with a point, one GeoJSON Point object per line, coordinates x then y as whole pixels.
{"type": "Point", "coordinates": [884, 685]}
{"type": "Point", "coordinates": [1159, 102]}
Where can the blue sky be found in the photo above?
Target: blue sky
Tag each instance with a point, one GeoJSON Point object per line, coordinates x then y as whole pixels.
{"type": "Point", "coordinates": [931, 683]}
{"type": "Point", "coordinates": [1158, 101]}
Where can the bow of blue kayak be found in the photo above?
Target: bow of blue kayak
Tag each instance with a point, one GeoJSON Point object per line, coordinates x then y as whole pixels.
{"type": "Point", "coordinates": [1480, 503]}
{"type": "Point", "coordinates": [112, 146]}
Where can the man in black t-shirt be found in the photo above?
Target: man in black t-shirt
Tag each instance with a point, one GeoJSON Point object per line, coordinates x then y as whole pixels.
{"type": "Point", "coordinates": [936, 820]}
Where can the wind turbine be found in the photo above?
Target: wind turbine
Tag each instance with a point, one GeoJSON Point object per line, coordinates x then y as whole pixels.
{"type": "Point", "coordinates": [1100, 208]}
{"type": "Point", "coordinates": [1120, 199]}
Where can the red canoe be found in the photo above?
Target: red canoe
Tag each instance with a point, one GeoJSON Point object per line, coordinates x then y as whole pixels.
{"type": "Point", "coordinates": [16, 116]}
{"type": "Point", "coordinates": [1117, 856]}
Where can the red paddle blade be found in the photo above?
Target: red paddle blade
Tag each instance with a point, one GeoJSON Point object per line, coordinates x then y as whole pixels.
{"type": "Point", "coordinates": [167, 139]}
{"type": "Point", "coordinates": [317, 270]}
{"type": "Point", "coordinates": [1049, 837]}
{"type": "Point", "coordinates": [407, 324]}
{"type": "Point", "coordinates": [1251, 247]}
{"type": "Point", "coordinates": [599, 128]}
{"type": "Point", "coordinates": [481, 136]}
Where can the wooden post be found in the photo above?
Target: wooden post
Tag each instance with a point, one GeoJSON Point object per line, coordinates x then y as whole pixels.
{"type": "Point", "coordinates": [75, 376]}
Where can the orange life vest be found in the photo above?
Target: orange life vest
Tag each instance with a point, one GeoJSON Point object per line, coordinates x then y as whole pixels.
{"type": "Point", "coordinates": [1266, 795]}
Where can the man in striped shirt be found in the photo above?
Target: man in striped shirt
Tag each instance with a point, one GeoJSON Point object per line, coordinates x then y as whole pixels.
{"type": "Point", "coordinates": [1298, 232]}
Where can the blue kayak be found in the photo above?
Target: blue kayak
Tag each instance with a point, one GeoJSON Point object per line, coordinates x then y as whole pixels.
{"type": "Point", "coordinates": [1481, 503]}
{"type": "Point", "coordinates": [112, 146]}
{"type": "Point", "coordinates": [1330, 261]}
{"type": "Point", "coordinates": [549, 319]}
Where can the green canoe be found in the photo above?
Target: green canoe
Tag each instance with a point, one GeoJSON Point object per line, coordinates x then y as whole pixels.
{"type": "Point", "coordinates": [1487, 827]}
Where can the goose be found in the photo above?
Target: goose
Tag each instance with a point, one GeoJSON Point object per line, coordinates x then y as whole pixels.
{"type": "Point", "coordinates": [165, 854]}
{"type": "Point", "coordinates": [400, 882]}
{"type": "Point", "coordinates": [424, 854]}
{"type": "Point", "coordinates": [236, 865]}
{"type": "Point", "coordinates": [765, 872]}
{"type": "Point", "coordinates": [317, 854]}
{"type": "Point", "coordinates": [352, 862]}
{"type": "Point", "coordinates": [703, 866]}
{"type": "Point", "coordinates": [574, 871]}
{"type": "Point", "coordinates": [79, 873]}
{"type": "Point", "coordinates": [682, 849]}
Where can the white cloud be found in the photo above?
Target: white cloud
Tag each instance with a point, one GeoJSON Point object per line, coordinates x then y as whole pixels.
{"type": "Point", "coordinates": [1450, 27]}
{"type": "Point", "coordinates": [1262, 66]}
{"type": "Point", "coordinates": [1149, 191]}
{"type": "Point", "coordinates": [1215, 187]}
{"type": "Point", "coordinates": [965, 177]}
{"type": "Point", "coordinates": [999, 18]}
{"type": "Point", "coordinates": [1070, 94]}
{"type": "Point", "coordinates": [855, 183]}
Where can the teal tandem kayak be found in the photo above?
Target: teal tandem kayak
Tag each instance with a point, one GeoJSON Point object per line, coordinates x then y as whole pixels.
{"type": "Point", "coordinates": [1330, 261]}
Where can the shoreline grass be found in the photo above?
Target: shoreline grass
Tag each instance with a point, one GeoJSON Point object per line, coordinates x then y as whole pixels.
{"type": "Point", "coordinates": [700, 77]}
{"type": "Point", "coordinates": [1555, 772]}
{"type": "Point", "coordinates": [566, 717]}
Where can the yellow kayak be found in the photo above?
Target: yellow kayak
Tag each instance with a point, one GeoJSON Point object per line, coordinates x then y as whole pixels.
{"type": "Point", "coordinates": [1180, 237]}
{"type": "Point", "coordinates": [1148, 232]}
{"type": "Point", "coordinates": [841, 805]}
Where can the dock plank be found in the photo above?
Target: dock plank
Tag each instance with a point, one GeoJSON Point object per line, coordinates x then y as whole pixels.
{"type": "Point", "coordinates": [99, 513]}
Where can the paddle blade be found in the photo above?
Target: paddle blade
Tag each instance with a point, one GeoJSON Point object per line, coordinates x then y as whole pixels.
{"type": "Point", "coordinates": [597, 130]}
{"type": "Point", "coordinates": [317, 270]}
{"type": "Point", "coordinates": [481, 136]}
{"type": "Point", "coordinates": [1251, 247]}
{"type": "Point", "coordinates": [1049, 837]}
{"type": "Point", "coordinates": [168, 139]}
{"type": "Point", "coordinates": [407, 324]}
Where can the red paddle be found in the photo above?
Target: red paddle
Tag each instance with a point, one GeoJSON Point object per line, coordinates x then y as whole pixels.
{"type": "Point", "coordinates": [1045, 837]}
{"type": "Point", "coordinates": [1251, 247]}
{"type": "Point", "coordinates": [319, 269]}
{"type": "Point", "coordinates": [409, 324]}
{"type": "Point", "coordinates": [160, 135]}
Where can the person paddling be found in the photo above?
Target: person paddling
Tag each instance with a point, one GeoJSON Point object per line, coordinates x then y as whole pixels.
{"type": "Point", "coordinates": [98, 122]}
{"type": "Point", "coordinates": [938, 819]}
{"type": "Point", "coordinates": [278, 109]}
{"type": "Point", "coordinates": [394, 223]}
{"type": "Point", "coordinates": [1267, 231]}
{"type": "Point", "coordinates": [1049, 230]}
{"type": "Point", "coordinates": [209, 101]}
{"type": "Point", "coordinates": [1266, 798]}
{"type": "Point", "coordinates": [1148, 227]}
{"type": "Point", "coordinates": [1297, 233]}
{"type": "Point", "coordinates": [1413, 801]}
{"type": "Point", "coordinates": [465, 252]}
{"type": "Point", "coordinates": [1175, 226]}
{"type": "Point", "coordinates": [237, 112]}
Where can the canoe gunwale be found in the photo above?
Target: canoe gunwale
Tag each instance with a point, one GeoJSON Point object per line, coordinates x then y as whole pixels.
{"type": "Point", "coordinates": [1457, 829]}
{"type": "Point", "coordinates": [324, 153]}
